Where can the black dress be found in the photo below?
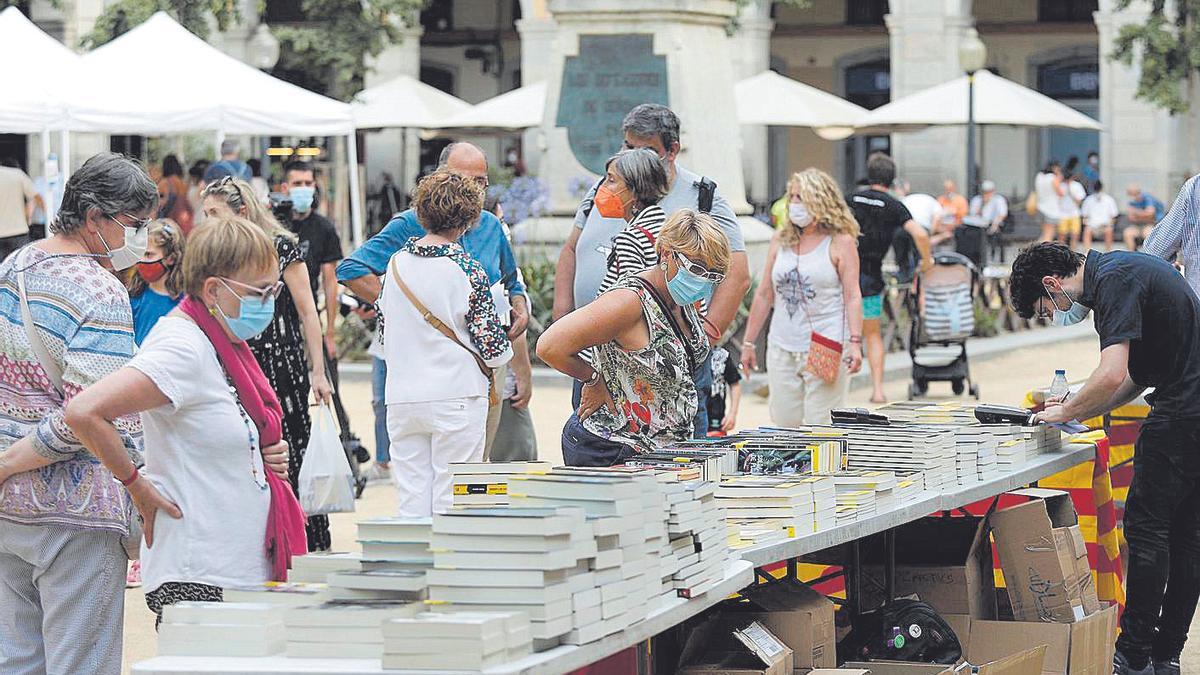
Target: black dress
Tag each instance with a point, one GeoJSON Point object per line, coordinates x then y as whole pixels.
{"type": "Point", "coordinates": [281, 354]}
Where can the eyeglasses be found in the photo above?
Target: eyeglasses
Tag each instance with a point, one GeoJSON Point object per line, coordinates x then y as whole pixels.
{"type": "Point", "coordinates": [699, 270]}
{"type": "Point", "coordinates": [137, 224]}
{"type": "Point", "coordinates": [264, 293]}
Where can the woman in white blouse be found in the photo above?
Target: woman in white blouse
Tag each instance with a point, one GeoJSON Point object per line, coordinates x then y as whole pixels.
{"type": "Point", "coordinates": [440, 334]}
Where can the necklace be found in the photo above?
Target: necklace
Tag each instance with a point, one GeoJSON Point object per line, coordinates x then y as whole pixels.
{"type": "Point", "coordinates": [249, 437]}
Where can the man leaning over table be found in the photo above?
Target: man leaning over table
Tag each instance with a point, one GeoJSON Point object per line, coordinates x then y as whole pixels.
{"type": "Point", "coordinates": [1148, 320]}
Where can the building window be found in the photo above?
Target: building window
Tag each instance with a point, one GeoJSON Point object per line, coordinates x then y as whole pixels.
{"type": "Point", "coordinates": [438, 17]}
{"type": "Point", "coordinates": [1067, 10]}
{"type": "Point", "coordinates": [283, 11]}
{"type": "Point", "coordinates": [866, 12]}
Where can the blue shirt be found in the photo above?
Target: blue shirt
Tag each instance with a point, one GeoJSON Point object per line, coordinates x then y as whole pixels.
{"type": "Point", "coordinates": [485, 242]}
{"type": "Point", "coordinates": [1147, 200]}
{"type": "Point", "coordinates": [148, 308]}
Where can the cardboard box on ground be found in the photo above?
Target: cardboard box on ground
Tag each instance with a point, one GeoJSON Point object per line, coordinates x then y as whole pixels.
{"type": "Point", "coordinates": [724, 645]}
{"type": "Point", "coordinates": [1044, 558]}
{"type": "Point", "coordinates": [799, 616]}
{"type": "Point", "coordinates": [1019, 661]}
{"type": "Point", "coordinates": [1078, 648]}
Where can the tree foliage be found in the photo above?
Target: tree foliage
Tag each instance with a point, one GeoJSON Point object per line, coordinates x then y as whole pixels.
{"type": "Point", "coordinates": [1168, 45]}
{"type": "Point", "coordinates": [119, 17]}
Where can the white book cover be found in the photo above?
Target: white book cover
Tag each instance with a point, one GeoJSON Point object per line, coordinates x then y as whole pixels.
{"type": "Point", "coordinates": [253, 614]}
{"type": "Point", "coordinates": [500, 543]}
{"type": "Point", "coordinates": [507, 521]}
{"type": "Point", "coordinates": [395, 529]}
{"type": "Point", "coordinates": [496, 578]}
{"type": "Point", "coordinates": [411, 581]}
{"type": "Point", "coordinates": [500, 596]}
{"type": "Point", "coordinates": [350, 616]}
{"type": "Point", "coordinates": [542, 612]}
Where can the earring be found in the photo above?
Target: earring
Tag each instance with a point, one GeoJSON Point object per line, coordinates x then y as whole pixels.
{"type": "Point", "coordinates": [212, 312]}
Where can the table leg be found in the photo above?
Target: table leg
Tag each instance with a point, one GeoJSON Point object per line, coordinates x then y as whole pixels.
{"type": "Point", "coordinates": [889, 563]}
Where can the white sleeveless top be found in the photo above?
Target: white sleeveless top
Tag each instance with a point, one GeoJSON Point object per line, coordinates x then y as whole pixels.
{"type": "Point", "coordinates": [806, 286]}
{"type": "Point", "coordinates": [1048, 201]}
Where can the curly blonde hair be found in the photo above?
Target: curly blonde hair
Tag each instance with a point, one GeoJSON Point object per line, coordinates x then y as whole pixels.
{"type": "Point", "coordinates": [825, 204]}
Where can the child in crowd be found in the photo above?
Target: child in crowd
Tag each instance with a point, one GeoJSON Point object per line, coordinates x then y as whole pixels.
{"type": "Point", "coordinates": [726, 393]}
{"type": "Point", "coordinates": [156, 287]}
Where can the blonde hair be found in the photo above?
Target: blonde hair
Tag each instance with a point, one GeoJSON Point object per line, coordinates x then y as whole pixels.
{"type": "Point", "coordinates": [698, 237]}
{"type": "Point", "coordinates": [226, 247]}
{"type": "Point", "coordinates": [825, 203]}
{"type": "Point", "coordinates": [166, 233]}
{"type": "Point", "coordinates": [238, 194]}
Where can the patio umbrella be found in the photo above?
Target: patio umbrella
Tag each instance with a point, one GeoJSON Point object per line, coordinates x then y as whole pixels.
{"type": "Point", "coordinates": [405, 103]}
{"type": "Point", "coordinates": [774, 100]}
{"type": "Point", "coordinates": [512, 111]}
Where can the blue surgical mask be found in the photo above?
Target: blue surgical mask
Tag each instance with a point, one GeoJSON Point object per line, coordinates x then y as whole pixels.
{"type": "Point", "coordinates": [1073, 315]}
{"type": "Point", "coordinates": [302, 198]}
{"type": "Point", "coordinates": [687, 288]}
{"type": "Point", "coordinates": [254, 315]}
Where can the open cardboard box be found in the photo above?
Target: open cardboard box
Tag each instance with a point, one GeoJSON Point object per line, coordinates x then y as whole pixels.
{"type": "Point", "coordinates": [1079, 648]}
{"type": "Point", "coordinates": [721, 647]}
{"type": "Point", "coordinates": [799, 616]}
{"type": "Point", "coordinates": [1044, 558]}
{"type": "Point", "coordinates": [1016, 662]}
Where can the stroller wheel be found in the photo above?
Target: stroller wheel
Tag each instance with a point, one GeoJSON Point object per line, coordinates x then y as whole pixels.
{"type": "Point", "coordinates": [975, 391]}
{"type": "Point", "coordinates": [958, 387]}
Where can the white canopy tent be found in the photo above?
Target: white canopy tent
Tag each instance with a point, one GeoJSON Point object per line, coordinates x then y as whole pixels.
{"type": "Point", "coordinates": [127, 87]}
{"type": "Point", "coordinates": [997, 102]}
{"type": "Point", "coordinates": [774, 100]}
{"type": "Point", "coordinates": [518, 109]}
{"type": "Point", "coordinates": [405, 103]}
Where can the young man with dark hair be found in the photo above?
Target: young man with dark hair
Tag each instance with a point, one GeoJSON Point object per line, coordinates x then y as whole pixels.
{"type": "Point", "coordinates": [1148, 320]}
{"type": "Point", "coordinates": [881, 218]}
{"type": "Point", "coordinates": [319, 241]}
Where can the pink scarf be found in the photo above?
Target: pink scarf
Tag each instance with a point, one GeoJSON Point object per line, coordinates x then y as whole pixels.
{"type": "Point", "coordinates": [285, 521]}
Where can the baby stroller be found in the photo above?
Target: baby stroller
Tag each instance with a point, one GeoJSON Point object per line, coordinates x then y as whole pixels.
{"type": "Point", "coordinates": [943, 310]}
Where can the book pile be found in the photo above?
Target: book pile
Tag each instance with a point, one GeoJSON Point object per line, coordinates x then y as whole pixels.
{"type": "Point", "coordinates": [486, 483]}
{"type": "Point", "coordinates": [716, 459]}
{"type": "Point", "coordinates": [698, 538]}
{"type": "Point", "coordinates": [762, 502]}
{"type": "Point", "coordinates": [1043, 438]}
{"type": "Point", "coordinates": [288, 594]}
{"type": "Point", "coordinates": [336, 630]}
{"type": "Point", "coordinates": [455, 641]}
{"type": "Point", "coordinates": [928, 449]}
{"type": "Point", "coordinates": [315, 568]}
{"type": "Point", "coordinates": [824, 502]}
{"type": "Point", "coordinates": [744, 534]}
{"type": "Point", "coordinates": [377, 586]}
{"type": "Point", "coordinates": [511, 560]}
{"type": "Point", "coordinates": [677, 470]}
{"type": "Point", "coordinates": [221, 629]}
{"type": "Point", "coordinates": [805, 450]}
{"type": "Point", "coordinates": [854, 505]}
{"type": "Point", "coordinates": [882, 483]}
{"type": "Point", "coordinates": [395, 543]}
{"type": "Point", "coordinates": [909, 488]}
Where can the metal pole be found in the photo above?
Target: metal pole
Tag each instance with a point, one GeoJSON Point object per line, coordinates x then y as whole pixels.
{"type": "Point", "coordinates": [356, 217]}
{"type": "Point", "coordinates": [970, 191]}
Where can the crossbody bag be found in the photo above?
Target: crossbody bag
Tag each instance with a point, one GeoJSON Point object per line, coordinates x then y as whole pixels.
{"type": "Point", "coordinates": [824, 353]}
{"type": "Point", "coordinates": [441, 327]}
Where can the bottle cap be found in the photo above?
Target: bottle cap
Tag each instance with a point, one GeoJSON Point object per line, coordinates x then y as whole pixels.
{"type": "Point", "coordinates": [1060, 372]}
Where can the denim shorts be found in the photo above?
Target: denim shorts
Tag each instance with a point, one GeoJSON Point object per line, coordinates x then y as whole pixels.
{"type": "Point", "coordinates": [581, 447]}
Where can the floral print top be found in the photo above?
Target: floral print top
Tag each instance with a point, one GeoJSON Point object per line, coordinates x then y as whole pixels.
{"type": "Point", "coordinates": [653, 387]}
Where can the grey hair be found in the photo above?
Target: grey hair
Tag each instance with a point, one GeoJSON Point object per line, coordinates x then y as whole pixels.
{"type": "Point", "coordinates": [652, 119]}
{"type": "Point", "coordinates": [643, 173]}
{"type": "Point", "coordinates": [229, 147]}
{"type": "Point", "coordinates": [110, 183]}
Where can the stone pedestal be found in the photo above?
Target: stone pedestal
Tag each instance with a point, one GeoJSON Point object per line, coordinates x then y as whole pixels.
{"type": "Point", "coordinates": [751, 47]}
{"type": "Point", "coordinates": [538, 41]}
{"type": "Point", "coordinates": [396, 151]}
{"type": "Point", "coordinates": [925, 35]}
{"type": "Point", "coordinates": [686, 40]}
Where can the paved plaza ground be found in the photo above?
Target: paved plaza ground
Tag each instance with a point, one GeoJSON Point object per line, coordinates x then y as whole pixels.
{"type": "Point", "coordinates": [1004, 378]}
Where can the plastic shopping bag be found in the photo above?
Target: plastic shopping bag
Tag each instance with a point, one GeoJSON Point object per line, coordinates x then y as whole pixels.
{"type": "Point", "coordinates": [326, 481]}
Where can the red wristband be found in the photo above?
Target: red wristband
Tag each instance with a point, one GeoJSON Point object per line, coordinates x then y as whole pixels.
{"type": "Point", "coordinates": [132, 478]}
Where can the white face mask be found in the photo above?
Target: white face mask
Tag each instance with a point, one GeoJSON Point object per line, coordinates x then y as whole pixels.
{"type": "Point", "coordinates": [798, 215]}
{"type": "Point", "coordinates": [133, 250]}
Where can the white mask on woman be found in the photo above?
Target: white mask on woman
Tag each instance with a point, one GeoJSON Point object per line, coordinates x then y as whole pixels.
{"type": "Point", "coordinates": [798, 214]}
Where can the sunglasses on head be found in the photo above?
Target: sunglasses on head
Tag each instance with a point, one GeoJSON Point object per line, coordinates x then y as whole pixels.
{"type": "Point", "coordinates": [699, 270]}
{"type": "Point", "coordinates": [264, 293]}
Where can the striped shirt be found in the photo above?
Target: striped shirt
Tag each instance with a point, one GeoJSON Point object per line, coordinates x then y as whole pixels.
{"type": "Point", "coordinates": [1176, 237]}
{"type": "Point", "coordinates": [633, 247]}
{"type": "Point", "coordinates": [82, 315]}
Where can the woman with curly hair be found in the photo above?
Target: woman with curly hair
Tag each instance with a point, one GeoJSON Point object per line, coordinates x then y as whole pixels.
{"type": "Point", "coordinates": [157, 287]}
{"type": "Point", "coordinates": [811, 280]}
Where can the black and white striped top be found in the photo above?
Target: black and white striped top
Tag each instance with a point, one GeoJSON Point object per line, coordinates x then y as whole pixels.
{"type": "Point", "coordinates": [633, 248]}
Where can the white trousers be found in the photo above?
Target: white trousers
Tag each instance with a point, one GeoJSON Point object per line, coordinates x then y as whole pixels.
{"type": "Point", "coordinates": [425, 438]}
{"type": "Point", "coordinates": [798, 397]}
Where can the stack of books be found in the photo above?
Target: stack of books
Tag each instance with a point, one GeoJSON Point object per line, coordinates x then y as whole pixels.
{"type": "Point", "coordinates": [378, 586]}
{"type": "Point", "coordinates": [1044, 438]}
{"type": "Point", "coordinates": [714, 460]}
{"type": "Point", "coordinates": [854, 505]}
{"type": "Point", "coordinates": [742, 535]}
{"type": "Point", "coordinates": [777, 502]}
{"type": "Point", "coordinates": [930, 450]}
{"type": "Point", "coordinates": [287, 594]}
{"type": "Point", "coordinates": [486, 483]}
{"type": "Point", "coordinates": [336, 630]}
{"type": "Point", "coordinates": [882, 483]}
{"type": "Point", "coordinates": [824, 502]}
{"type": "Point", "coordinates": [221, 629]}
{"type": "Point", "coordinates": [909, 488]}
{"type": "Point", "coordinates": [511, 560]}
{"type": "Point", "coordinates": [697, 528]}
{"type": "Point", "coordinates": [455, 641]}
{"type": "Point", "coordinates": [395, 543]}
{"type": "Point", "coordinates": [315, 568]}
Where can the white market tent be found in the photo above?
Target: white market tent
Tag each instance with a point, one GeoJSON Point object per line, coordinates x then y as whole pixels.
{"type": "Point", "coordinates": [774, 100]}
{"type": "Point", "coordinates": [128, 87]}
{"type": "Point", "coordinates": [997, 102]}
{"type": "Point", "coordinates": [34, 62]}
{"type": "Point", "coordinates": [518, 109]}
{"type": "Point", "coordinates": [405, 103]}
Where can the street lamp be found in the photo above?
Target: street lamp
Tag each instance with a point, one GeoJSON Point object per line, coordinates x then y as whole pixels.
{"type": "Point", "coordinates": [972, 56]}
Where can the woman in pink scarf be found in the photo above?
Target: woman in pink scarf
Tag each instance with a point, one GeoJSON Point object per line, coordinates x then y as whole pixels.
{"type": "Point", "coordinates": [212, 431]}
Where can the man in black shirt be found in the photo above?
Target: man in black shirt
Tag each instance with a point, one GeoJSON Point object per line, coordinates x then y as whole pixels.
{"type": "Point", "coordinates": [1148, 320]}
{"type": "Point", "coordinates": [319, 241]}
{"type": "Point", "coordinates": [881, 217]}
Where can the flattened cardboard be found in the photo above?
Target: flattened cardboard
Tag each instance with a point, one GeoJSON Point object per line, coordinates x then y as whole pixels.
{"type": "Point", "coordinates": [1018, 662]}
{"type": "Point", "coordinates": [1080, 648]}
{"type": "Point", "coordinates": [799, 616]}
{"type": "Point", "coordinates": [1039, 570]}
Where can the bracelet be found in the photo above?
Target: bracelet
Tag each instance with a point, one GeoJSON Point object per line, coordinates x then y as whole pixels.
{"type": "Point", "coordinates": [593, 379]}
{"type": "Point", "coordinates": [856, 339]}
{"type": "Point", "coordinates": [746, 344]}
{"type": "Point", "coordinates": [132, 478]}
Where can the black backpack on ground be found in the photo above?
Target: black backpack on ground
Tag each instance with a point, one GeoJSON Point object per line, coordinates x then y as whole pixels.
{"type": "Point", "coordinates": [901, 630]}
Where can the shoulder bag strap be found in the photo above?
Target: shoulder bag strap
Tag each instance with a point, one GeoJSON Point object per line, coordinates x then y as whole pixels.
{"type": "Point", "coordinates": [662, 305]}
{"type": "Point", "coordinates": [708, 190]}
{"type": "Point", "coordinates": [53, 371]}
{"type": "Point", "coordinates": [439, 324]}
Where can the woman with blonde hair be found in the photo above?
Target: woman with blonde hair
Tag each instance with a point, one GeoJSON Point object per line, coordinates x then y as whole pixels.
{"type": "Point", "coordinates": [646, 339]}
{"type": "Point", "coordinates": [295, 330]}
{"type": "Point", "coordinates": [811, 280]}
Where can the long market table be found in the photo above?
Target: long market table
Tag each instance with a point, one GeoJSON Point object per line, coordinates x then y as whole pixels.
{"type": "Point", "coordinates": [739, 575]}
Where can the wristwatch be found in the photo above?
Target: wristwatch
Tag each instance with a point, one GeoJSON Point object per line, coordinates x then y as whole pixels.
{"type": "Point", "coordinates": [593, 379]}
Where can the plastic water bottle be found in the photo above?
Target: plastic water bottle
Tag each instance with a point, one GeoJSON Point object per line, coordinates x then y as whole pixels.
{"type": "Point", "coordinates": [1058, 387]}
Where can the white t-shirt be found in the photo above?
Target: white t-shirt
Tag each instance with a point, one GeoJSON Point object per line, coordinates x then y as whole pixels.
{"type": "Point", "coordinates": [1047, 197]}
{"type": "Point", "coordinates": [1100, 210]}
{"type": "Point", "coordinates": [1068, 204]}
{"type": "Point", "coordinates": [924, 208]}
{"type": "Point", "coordinates": [202, 455]}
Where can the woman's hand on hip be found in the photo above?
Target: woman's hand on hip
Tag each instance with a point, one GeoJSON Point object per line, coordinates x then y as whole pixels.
{"type": "Point", "coordinates": [853, 358]}
{"type": "Point", "coordinates": [594, 397]}
{"type": "Point", "coordinates": [149, 501]}
{"type": "Point", "coordinates": [275, 459]}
